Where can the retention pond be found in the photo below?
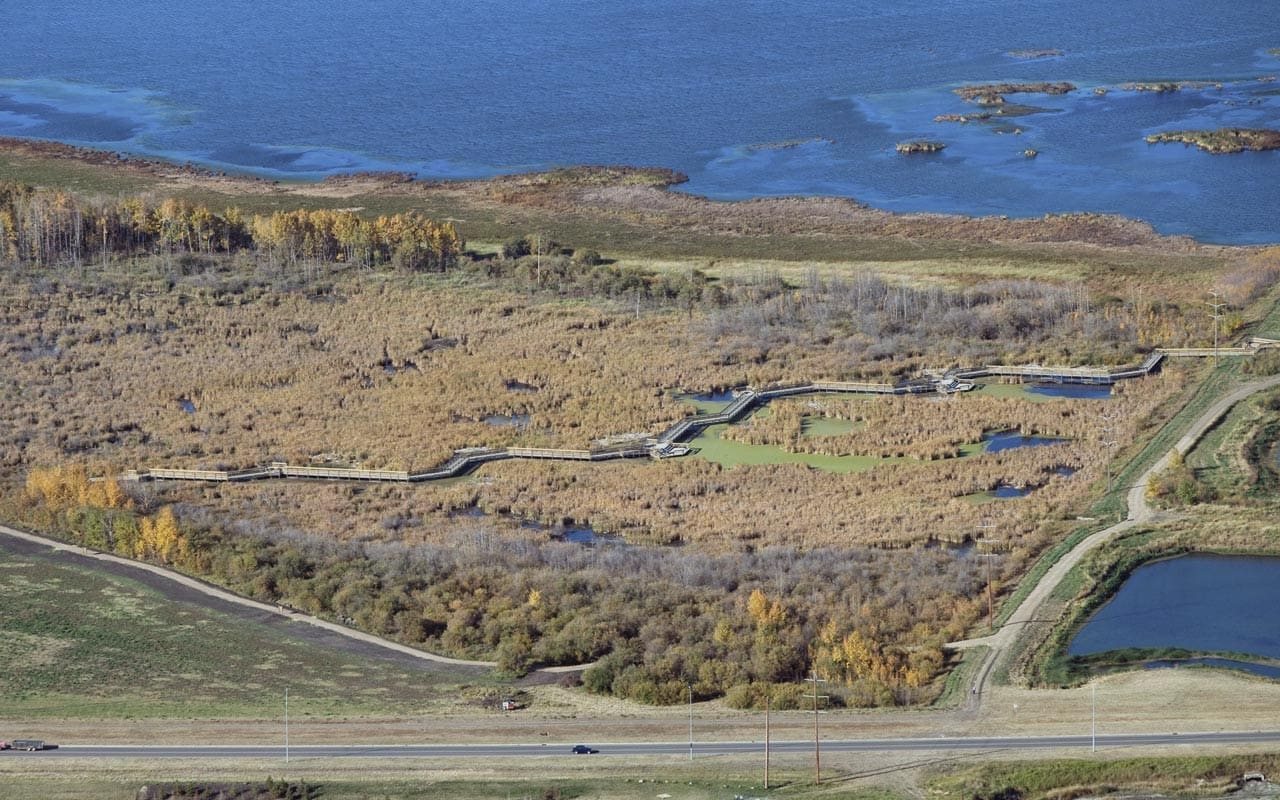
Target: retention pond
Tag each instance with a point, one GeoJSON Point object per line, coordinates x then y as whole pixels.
{"type": "Point", "coordinates": [1197, 603]}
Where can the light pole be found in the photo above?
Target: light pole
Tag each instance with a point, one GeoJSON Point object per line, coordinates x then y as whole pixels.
{"type": "Point", "coordinates": [817, 755]}
{"type": "Point", "coordinates": [691, 722]}
{"type": "Point", "coordinates": [1093, 731]}
{"type": "Point", "coordinates": [286, 724]}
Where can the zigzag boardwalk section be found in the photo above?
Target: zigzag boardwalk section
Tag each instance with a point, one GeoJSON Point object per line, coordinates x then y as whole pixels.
{"type": "Point", "coordinates": [667, 443]}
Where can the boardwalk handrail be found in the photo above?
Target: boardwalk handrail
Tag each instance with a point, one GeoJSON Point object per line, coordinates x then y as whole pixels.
{"type": "Point", "coordinates": [744, 401]}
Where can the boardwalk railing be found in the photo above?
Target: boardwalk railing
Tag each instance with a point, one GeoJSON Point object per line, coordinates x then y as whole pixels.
{"type": "Point", "coordinates": [661, 445]}
{"type": "Point", "coordinates": [1208, 352]}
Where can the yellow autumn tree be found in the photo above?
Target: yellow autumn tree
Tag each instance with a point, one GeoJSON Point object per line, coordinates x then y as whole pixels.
{"type": "Point", "coordinates": [768, 615]}
{"type": "Point", "coordinates": [143, 542]}
{"type": "Point", "coordinates": [166, 533]}
{"type": "Point", "coordinates": [858, 656]}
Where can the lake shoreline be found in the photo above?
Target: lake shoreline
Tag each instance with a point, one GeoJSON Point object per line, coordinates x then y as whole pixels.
{"type": "Point", "coordinates": [640, 195]}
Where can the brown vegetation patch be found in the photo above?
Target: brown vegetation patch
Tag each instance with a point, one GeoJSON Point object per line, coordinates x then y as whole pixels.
{"type": "Point", "coordinates": [993, 93]}
{"type": "Point", "coordinates": [1223, 140]}
{"type": "Point", "coordinates": [269, 790]}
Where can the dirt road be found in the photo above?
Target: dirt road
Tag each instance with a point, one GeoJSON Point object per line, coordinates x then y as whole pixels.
{"type": "Point", "coordinates": [1001, 643]}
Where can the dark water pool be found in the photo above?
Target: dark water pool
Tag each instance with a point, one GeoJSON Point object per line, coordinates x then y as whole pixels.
{"type": "Point", "coordinates": [586, 536]}
{"type": "Point", "coordinates": [1005, 492]}
{"type": "Point", "coordinates": [998, 441]}
{"type": "Point", "coordinates": [1074, 391]}
{"type": "Point", "coordinates": [520, 421]}
{"type": "Point", "coordinates": [718, 396]}
{"type": "Point", "coordinates": [577, 534]}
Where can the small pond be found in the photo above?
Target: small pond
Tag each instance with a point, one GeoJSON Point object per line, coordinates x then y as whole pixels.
{"type": "Point", "coordinates": [1200, 603]}
{"type": "Point", "coordinates": [708, 402]}
{"type": "Point", "coordinates": [187, 406]}
{"type": "Point", "coordinates": [520, 421]}
{"type": "Point", "coordinates": [576, 534]}
{"type": "Point", "coordinates": [1074, 391]}
{"type": "Point", "coordinates": [1007, 491]}
{"type": "Point", "coordinates": [998, 441]}
{"type": "Point", "coordinates": [513, 385]}
{"type": "Point", "coordinates": [1004, 492]}
{"type": "Point", "coordinates": [585, 536]}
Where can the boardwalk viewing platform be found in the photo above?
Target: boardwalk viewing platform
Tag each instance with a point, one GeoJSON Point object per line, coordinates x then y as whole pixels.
{"type": "Point", "coordinates": [667, 443]}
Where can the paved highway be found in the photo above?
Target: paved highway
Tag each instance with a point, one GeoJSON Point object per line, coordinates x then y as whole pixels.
{"type": "Point", "coordinates": [300, 752]}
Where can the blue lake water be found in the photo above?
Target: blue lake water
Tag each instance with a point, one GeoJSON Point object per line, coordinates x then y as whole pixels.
{"type": "Point", "coordinates": [466, 88]}
{"type": "Point", "coordinates": [1201, 602]}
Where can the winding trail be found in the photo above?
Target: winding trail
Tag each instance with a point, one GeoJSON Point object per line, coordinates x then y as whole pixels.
{"type": "Point", "coordinates": [1001, 643]}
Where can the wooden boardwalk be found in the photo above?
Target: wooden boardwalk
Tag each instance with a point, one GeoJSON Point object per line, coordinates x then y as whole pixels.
{"type": "Point", "coordinates": [665, 444]}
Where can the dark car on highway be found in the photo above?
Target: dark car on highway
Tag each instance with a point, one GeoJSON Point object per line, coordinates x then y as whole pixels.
{"type": "Point", "coordinates": [583, 750]}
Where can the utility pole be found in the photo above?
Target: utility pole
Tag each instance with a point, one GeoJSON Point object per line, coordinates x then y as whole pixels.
{"type": "Point", "coordinates": [286, 724]}
{"type": "Point", "coordinates": [766, 741]}
{"type": "Point", "coordinates": [817, 754]}
{"type": "Point", "coordinates": [1217, 307]}
{"type": "Point", "coordinates": [691, 722]}
{"type": "Point", "coordinates": [991, 604]}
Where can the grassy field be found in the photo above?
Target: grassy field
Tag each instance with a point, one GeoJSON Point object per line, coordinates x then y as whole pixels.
{"type": "Point", "coordinates": [1219, 459]}
{"type": "Point", "coordinates": [525, 779]}
{"type": "Point", "coordinates": [1186, 776]}
{"type": "Point", "coordinates": [81, 644]}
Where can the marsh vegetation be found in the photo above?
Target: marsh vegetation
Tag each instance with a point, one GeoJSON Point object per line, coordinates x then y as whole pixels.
{"type": "Point", "coordinates": [200, 349]}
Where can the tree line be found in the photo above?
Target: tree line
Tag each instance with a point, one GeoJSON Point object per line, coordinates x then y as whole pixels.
{"type": "Point", "coordinates": [656, 621]}
{"type": "Point", "coordinates": [53, 227]}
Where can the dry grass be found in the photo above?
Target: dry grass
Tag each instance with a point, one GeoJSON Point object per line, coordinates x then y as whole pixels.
{"type": "Point", "coordinates": [315, 374]}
